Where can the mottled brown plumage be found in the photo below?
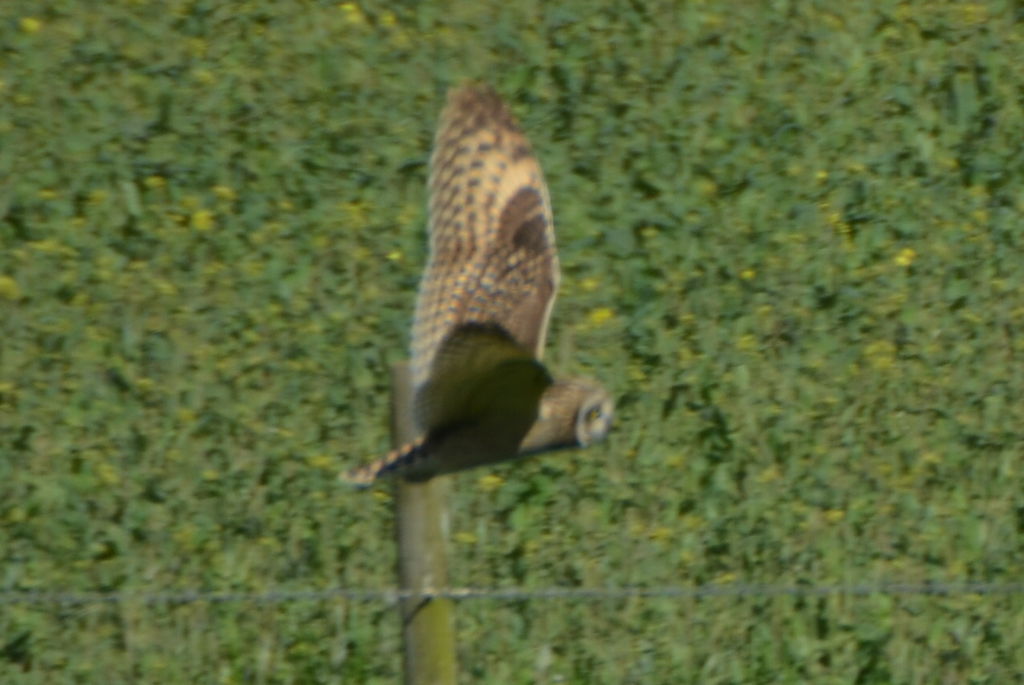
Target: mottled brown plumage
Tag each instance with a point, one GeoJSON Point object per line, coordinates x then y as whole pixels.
{"type": "Point", "coordinates": [492, 239]}
{"type": "Point", "coordinates": [481, 394]}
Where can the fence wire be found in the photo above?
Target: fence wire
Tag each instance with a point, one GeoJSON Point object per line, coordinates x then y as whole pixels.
{"type": "Point", "coordinates": [392, 596]}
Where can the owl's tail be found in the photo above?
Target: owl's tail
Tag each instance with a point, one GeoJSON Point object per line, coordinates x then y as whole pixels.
{"type": "Point", "coordinates": [396, 462]}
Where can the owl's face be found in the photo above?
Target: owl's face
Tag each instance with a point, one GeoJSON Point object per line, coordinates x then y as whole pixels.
{"type": "Point", "coordinates": [574, 412]}
{"type": "Point", "coordinates": [594, 418]}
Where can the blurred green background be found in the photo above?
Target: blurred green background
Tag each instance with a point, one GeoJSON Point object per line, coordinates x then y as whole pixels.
{"type": "Point", "coordinates": [791, 244]}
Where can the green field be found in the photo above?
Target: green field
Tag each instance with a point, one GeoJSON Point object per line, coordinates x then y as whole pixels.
{"type": "Point", "coordinates": [791, 243]}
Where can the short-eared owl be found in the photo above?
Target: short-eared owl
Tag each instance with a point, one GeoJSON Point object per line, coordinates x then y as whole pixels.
{"type": "Point", "coordinates": [481, 394]}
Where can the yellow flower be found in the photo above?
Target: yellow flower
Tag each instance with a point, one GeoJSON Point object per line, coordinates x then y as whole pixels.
{"type": "Point", "coordinates": [204, 76]}
{"type": "Point", "coordinates": [224, 192]}
{"type": "Point", "coordinates": [768, 475]}
{"type": "Point", "coordinates": [185, 535]}
{"type": "Point", "coordinates": [355, 213]}
{"type": "Point", "coordinates": [30, 25]}
{"type": "Point", "coordinates": [197, 47]}
{"type": "Point", "coordinates": [490, 482]}
{"type": "Point", "coordinates": [834, 515]}
{"type": "Point", "coordinates": [600, 315]}
{"type": "Point", "coordinates": [9, 289]}
{"type": "Point", "coordinates": [202, 220]}
{"type": "Point", "coordinates": [319, 461]}
{"type": "Point", "coordinates": [706, 187]}
{"type": "Point", "coordinates": [748, 274]}
{"type": "Point", "coordinates": [165, 287]}
{"type": "Point", "coordinates": [649, 232]}
{"type": "Point", "coordinates": [881, 354]}
{"type": "Point", "coordinates": [353, 14]}
{"type": "Point", "coordinates": [692, 522]}
{"type": "Point", "coordinates": [400, 39]}
{"type": "Point", "coordinates": [154, 182]}
{"type": "Point", "coordinates": [108, 474]}
{"type": "Point", "coordinates": [747, 342]}
{"type": "Point", "coordinates": [906, 256]}
{"type": "Point", "coordinates": [973, 13]}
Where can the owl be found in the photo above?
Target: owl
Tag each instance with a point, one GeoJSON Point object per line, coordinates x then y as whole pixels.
{"type": "Point", "coordinates": [480, 392]}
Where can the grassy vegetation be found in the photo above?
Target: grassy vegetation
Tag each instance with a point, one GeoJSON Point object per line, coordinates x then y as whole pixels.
{"type": "Point", "coordinates": [791, 239]}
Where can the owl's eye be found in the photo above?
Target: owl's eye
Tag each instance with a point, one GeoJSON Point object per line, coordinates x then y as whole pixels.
{"type": "Point", "coordinates": [593, 414]}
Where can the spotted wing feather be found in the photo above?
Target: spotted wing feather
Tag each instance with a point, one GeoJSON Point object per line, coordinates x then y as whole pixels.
{"type": "Point", "coordinates": [492, 247]}
{"type": "Point", "coordinates": [402, 460]}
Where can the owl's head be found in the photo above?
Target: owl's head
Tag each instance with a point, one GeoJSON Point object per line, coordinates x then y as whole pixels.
{"type": "Point", "coordinates": [594, 416]}
{"type": "Point", "coordinates": [574, 412]}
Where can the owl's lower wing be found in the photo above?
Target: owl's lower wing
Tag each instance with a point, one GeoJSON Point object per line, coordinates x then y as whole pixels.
{"type": "Point", "coordinates": [483, 396]}
{"type": "Point", "coordinates": [479, 369]}
{"type": "Point", "coordinates": [406, 460]}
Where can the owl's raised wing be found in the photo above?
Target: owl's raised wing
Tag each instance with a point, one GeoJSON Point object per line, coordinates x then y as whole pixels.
{"type": "Point", "coordinates": [492, 246]}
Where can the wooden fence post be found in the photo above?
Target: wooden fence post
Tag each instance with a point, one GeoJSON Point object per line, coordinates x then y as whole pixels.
{"type": "Point", "coordinates": [421, 522]}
